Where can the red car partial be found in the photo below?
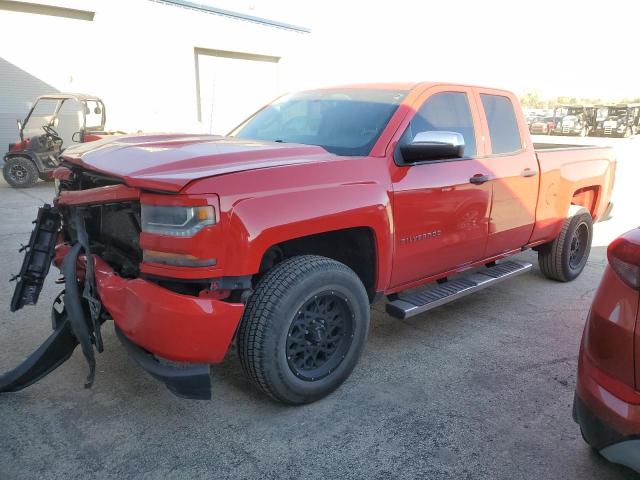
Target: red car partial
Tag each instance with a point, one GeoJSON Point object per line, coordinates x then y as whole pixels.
{"type": "Point", "coordinates": [607, 401]}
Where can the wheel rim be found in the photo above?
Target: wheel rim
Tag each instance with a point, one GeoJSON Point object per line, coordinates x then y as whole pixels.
{"type": "Point", "coordinates": [579, 244]}
{"type": "Point", "coordinates": [320, 336]}
{"type": "Point", "coordinates": [18, 173]}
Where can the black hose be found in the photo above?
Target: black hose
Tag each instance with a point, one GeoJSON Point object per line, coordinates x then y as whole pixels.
{"type": "Point", "coordinates": [75, 312]}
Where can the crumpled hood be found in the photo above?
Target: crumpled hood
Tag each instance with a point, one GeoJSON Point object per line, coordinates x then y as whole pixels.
{"type": "Point", "coordinates": [170, 162]}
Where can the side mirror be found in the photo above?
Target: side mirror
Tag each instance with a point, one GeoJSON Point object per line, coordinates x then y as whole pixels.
{"type": "Point", "coordinates": [77, 137]}
{"type": "Point", "coordinates": [433, 145]}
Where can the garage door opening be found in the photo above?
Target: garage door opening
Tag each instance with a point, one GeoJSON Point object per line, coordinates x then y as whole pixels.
{"type": "Point", "coordinates": [230, 86]}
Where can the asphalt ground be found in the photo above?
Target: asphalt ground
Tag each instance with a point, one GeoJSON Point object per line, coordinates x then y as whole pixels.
{"type": "Point", "coordinates": [478, 389]}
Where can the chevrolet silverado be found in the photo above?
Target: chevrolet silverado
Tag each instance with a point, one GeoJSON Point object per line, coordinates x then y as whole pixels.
{"type": "Point", "coordinates": [280, 235]}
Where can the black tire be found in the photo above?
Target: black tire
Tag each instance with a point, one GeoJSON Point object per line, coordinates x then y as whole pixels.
{"type": "Point", "coordinates": [20, 172]}
{"type": "Point", "coordinates": [564, 258]}
{"type": "Point", "coordinates": [270, 338]}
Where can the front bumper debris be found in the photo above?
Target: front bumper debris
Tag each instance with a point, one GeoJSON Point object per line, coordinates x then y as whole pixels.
{"type": "Point", "coordinates": [174, 337]}
{"type": "Point", "coordinates": [37, 258]}
{"type": "Point", "coordinates": [184, 380]}
{"type": "Point", "coordinates": [50, 355]}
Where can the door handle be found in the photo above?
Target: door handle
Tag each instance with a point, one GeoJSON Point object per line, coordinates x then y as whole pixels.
{"type": "Point", "coordinates": [479, 179]}
{"type": "Point", "coordinates": [527, 172]}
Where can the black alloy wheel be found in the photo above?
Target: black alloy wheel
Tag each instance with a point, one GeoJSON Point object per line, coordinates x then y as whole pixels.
{"type": "Point", "coordinates": [320, 335]}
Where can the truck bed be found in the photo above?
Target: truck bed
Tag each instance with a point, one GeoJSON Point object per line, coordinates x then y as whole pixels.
{"type": "Point", "coordinates": [573, 174]}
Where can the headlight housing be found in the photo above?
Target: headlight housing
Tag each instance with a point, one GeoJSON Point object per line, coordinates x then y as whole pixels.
{"type": "Point", "coordinates": [176, 221]}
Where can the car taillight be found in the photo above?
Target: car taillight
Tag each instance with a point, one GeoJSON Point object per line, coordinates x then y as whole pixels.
{"type": "Point", "coordinates": [624, 258]}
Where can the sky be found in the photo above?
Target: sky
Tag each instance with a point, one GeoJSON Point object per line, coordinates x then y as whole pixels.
{"type": "Point", "coordinates": [558, 48]}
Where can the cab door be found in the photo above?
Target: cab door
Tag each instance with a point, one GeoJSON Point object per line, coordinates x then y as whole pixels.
{"type": "Point", "coordinates": [515, 172]}
{"type": "Point", "coordinates": [440, 207]}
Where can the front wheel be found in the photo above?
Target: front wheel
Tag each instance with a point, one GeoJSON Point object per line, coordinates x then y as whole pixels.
{"type": "Point", "coordinates": [303, 329]}
{"type": "Point", "coordinates": [20, 172]}
{"type": "Point", "coordinates": [564, 258]}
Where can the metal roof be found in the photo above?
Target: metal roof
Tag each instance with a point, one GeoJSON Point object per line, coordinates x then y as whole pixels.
{"type": "Point", "coordinates": [227, 13]}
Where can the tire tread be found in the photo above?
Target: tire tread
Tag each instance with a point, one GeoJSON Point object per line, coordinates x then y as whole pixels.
{"type": "Point", "coordinates": [551, 255]}
{"type": "Point", "coordinates": [260, 310]}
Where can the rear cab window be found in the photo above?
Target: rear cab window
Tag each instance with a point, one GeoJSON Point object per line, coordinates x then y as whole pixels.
{"type": "Point", "coordinates": [503, 124]}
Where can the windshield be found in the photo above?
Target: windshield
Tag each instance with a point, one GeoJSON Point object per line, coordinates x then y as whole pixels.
{"type": "Point", "coordinates": [42, 114]}
{"type": "Point", "coordinates": [618, 112]}
{"type": "Point", "coordinates": [564, 111]}
{"type": "Point", "coordinates": [602, 113]}
{"type": "Point", "coordinates": [344, 122]}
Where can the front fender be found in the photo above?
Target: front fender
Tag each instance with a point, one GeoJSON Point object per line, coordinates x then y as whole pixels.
{"type": "Point", "coordinates": [255, 224]}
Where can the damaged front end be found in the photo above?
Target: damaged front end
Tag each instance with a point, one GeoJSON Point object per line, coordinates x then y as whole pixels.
{"type": "Point", "coordinates": [74, 235]}
{"type": "Point", "coordinates": [68, 321]}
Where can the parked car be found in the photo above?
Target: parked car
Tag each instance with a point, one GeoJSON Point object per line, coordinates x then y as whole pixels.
{"type": "Point", "coordinates": [617, 120]}
{"type": "Point", "coordinates": [282, 234]}
{"type": "Point", "coordinates": [607, 401]}
{"type": "Point", "coordinates": [54, 122]}
{"type": "Point", "coordinates": [543, 126]}
{"type": "Point", "coordinates": [574, 120]}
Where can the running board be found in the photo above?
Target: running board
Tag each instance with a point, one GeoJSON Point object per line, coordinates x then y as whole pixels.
{"type": "Point", "coordinates": [410, 304]}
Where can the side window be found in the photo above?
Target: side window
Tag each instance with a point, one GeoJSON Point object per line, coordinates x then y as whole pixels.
{"type": "Point", "coordinates": [503, 126]}
{"type": "Point", "coordinates": [448, 112]}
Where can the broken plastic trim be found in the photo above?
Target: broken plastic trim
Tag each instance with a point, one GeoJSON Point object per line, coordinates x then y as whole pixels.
{"type": "Point", "coordinates": [50, 355]}
{"type": "Point", "coordinates": [75, 313]}
{"type": "Point", "coordinates": [71, 326]}
{"type": "Point", "coordinates": [37, 259]}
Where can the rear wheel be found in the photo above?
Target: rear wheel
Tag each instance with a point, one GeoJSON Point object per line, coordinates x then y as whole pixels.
{"type": "Point", "coordinates": [564, 258]}
{"type": "Point", "coordinates": [20, 172]}
{"type": "Point", "coordinates": [303, 329]}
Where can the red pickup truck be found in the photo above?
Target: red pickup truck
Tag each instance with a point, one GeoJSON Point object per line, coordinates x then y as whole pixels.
{"type": "Point", "coordinates": [280, 235]}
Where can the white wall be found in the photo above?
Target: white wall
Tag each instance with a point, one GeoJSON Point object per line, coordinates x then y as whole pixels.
{"type": "Point", "coordinates": [138, 56]}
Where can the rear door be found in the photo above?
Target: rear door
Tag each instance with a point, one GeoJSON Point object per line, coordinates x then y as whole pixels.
{"type": "Point", "coordinates": [514, 171]}
{"type": "Point", "coordinates": [440, 216]}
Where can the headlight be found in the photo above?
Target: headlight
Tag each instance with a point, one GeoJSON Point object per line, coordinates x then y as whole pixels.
{"type": "Point", "coordinates": [176, 221]}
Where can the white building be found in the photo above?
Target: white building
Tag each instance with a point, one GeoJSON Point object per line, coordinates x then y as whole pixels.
{"type": "Point", "coordinates": [157, 65]}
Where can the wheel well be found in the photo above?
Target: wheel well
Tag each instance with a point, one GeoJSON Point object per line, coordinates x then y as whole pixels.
{"type": "Point", "coordinates": [586, 197]}
{"type": "Point", "coordinates": [355, 247]}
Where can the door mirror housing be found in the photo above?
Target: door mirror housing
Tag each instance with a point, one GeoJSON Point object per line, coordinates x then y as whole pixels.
{"type": "Point", "coordinates": [77, 137]}
{"type": "Point", "coordinates": [433, 145]}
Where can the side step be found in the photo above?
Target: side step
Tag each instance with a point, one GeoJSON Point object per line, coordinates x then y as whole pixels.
{"type": "Point", "coordinates": [410, 304]}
